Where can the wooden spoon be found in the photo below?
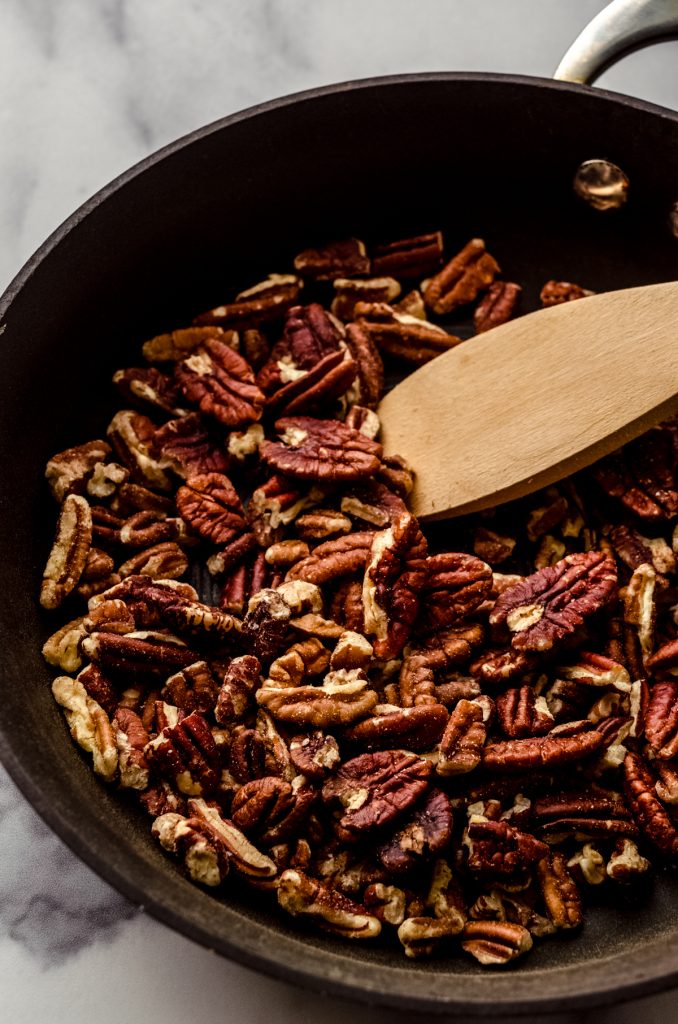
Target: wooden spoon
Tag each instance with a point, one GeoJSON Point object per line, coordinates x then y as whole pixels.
{"type": "Point", "coordinates": [536, 399]}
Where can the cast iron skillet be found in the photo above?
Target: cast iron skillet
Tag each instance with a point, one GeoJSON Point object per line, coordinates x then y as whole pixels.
{"type": "Point", "coordinates": [475, 154]}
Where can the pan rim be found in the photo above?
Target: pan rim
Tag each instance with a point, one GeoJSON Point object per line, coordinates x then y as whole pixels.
{"type": "Point", "coordinates": [630, 979]}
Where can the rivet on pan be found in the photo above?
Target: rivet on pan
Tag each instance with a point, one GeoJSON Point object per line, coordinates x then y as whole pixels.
{"type": "Point", "coordinates": [673, 219]}
{"type": "Point", "coordinates": [601, 184]}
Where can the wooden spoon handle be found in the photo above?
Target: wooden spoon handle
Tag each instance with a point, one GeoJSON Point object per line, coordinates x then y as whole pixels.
{"type": "Point", "coordinates": [536, 399]}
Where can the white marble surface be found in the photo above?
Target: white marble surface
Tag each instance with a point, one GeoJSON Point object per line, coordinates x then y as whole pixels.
{"type": "Point", "coordinates": [88, 87]}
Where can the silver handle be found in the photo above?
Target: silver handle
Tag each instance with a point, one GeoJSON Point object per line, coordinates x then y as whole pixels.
{"type": "Point", "coordinates": [620, 28]}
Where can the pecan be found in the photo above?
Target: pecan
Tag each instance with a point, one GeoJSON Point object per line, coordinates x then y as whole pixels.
{"type": "Point", "coordinates": [246, 755]}
{"type": "Point", "coordinates": [98, 566]}
{"type": "Point", "coordinates": [370, 376]}
{"type": "Point", "coordinates": [458, 688]}
{"type": "Point", "coordinates": [462, 742]}
{"type": "Point", "coordinates": [427, 832]}
{"type": "Point", "coordinates": [309, 336]}
{"type": "Point", "coordinates": [133, 437]}
{"type": "Point", "coordinates": [271, 809]}
{"type": "Point", "coordinates": [343, 556]}
{"type": "Point", "coordinates": [312, 449]}
{"type": "Point", "coordinates": [62, 649]}
{"type": "Point", "coordinates": [266, 624]}
{"type": "Point", "coordinates": [499, 849]}
{"type": "Point", "coordinates": [667, 785]}
{"type": "Point", "coordinates": [456, 584]}
{"type": "Point", "coordinates": [394, 576]}
{"type": "Point", "coordinates": [587, 866]}
{"type": "Point", "coordinates": [144, 529]}
{"type": "Point", "coordinates": [626, 864]}
{"type": "Point", "coordinates": [131, 737]}
{"type": "Point", "coordinates": [364, 420]}
{"type": "Point", "coordinates": [69, 471]}
{"type": "Point", "coordinates": [639, 606]}
{"type": "Point", "coordinates": [412, 304]}
{"type": "Point", "coordinates": [302, 660]}
{"type": "Point", "coordinates": [286, 553]}
{"type": "Point", "coordinates": [138, 654]}
{"type": "Point", "coordinates": [221, 383]}
{"type": "Point", "coordinates": [597, 670]}
{"type": "Point", "coordinates": [541, 751]}
{"type": "Point", "coordinates": [242, 855]}
{"type": "Point", "coordinates": [471, 271]}
{"type": "Point", "coordinates": [559, 892]}
{"type": "Point", "coordinates": [148, 387]}
{"type": "Point", "coordinates": [273, 505]}
{"type": "Point", "coordinates": [322, 524]}
{"type": "Point", "coordinates": [185, 444]}
{"type": "Point", "coordinates": [522, 713]}
{"type": "Point", "coordinates": [337, 259]}
{"type": "Point", "coordinates": [187, 753]}
{"type": "Point", "coordinates": [496, 667]}
{"type": "Point", "coordinates": [347, 606]}
{"type": "Point", "coordinates": [371, 502]}
{"type": "Point", "coordinates": [161, 562]}
{"type": "Point", "coordinates": [109, 616]}
{"type": "Point", "coordinates": [661, 719]}
{"type": "Point", "coordinates": [192, 688]}
{"type": "Point", "coordinates": [492, 547]}
{"type": "Point", "coordinates": [634, 550]}
{"type": "Point", "coordinates": [401, 335]}
{"type": "Point", "coordinates": [493, 943]}
{"type": "Point", "coordinates": [130, 498]}
{"type": "Point", "coordinates": [665, 659]}
{"type": "Point", "coordinates": [168, 348]}
{"type": "Point", "coordinates": [343, 698]}
{"type": "Point", "coordinates": [386, 902]}
{"type": "Point", "coordinates": [317, 388]}
{"type": "Point", "coordinates": [550, 551]}
{"type": "Point", "coordinates": [586, 815]}
{"type": "Point", "coordinates": [551, 604]}
{"type": "Point", "coordinates": [173, 604]}
{"type": "Point", "coordinates": [409, 257]}
{"type": "Point", "coordinates": [642, 475]}
{"type": "Point", "coordinates": [421, 935]}
{"type": "Point", "coordinates": [211, 507]}
{"type": "Point", "coordinates": [544, 518]}
{"type": "Point", "coordinates": [497, 306]}
{"type": "Point", "coordinates": [265, 301]}
{"type": "Point", "coordinates": [243, 583]}
{"type": "Point", "coordinates": [161, 799]}
{"type": "Point", "coordinates": [352, 651]}
{"type": "Point", "coordinates": [555, 292]}
{"type": "Point", "coordinates": [375, 789]}
{"type": "Point", "coordinates": [315, 755]}
{"type": "Point", "coordinates": [413, 728]}
{"type": "Point", "coordinates": [373, 289]}
{"type": "Point", "coordinates": [652, 818]}
{"type": "Point", "coordinates": [237, 688]}
{"type": "Point", "coordinates": [205, 862]}
{"type": "Point", "coordinates": [89, 725]}
{"type": "Point", "coordinates": [331, 910]}
{"type": "Point", "coordinates": [68, 556]}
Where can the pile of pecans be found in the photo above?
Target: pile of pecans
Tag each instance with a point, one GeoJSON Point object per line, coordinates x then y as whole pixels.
{"type": "Point", "coordinates": [457, 739]}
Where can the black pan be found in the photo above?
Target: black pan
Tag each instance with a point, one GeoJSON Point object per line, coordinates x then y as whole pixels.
{"type": "Point", "coordinates": [475, 154]}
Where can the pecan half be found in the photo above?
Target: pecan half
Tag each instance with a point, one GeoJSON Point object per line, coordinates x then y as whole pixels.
{"type": "Point", "coordinates": [642, 475]}
{"type": "Point", "coordinates": [555, 292]}
{"type": "Point", "coordinates": [193, 688]}
{"type": "Point", "coordinates": [133, 437]}
{"type": "Point", "coordinates": [165, 561]}
{"type": "Point", "coordinates": [336, 259]}
{"type": "Point", "coordinates": [343, 556]}
{"type": "Point", "coordinates": [265, 301]}
{"type": "Point", "coordinates": [370, 381]}
{"type": "Point", "coordinates": [321, 524]}
{"type": "Point", "coordinates": [271, 809]}
{"type": "Point", "coordinates": [189, 449]}
{"type": "Point", "coordinates": [210, 506]}
{"type": "Point", "coordinates": [62, 649]}
{"type": "Point", "coordinates": [89, 725]}
{"type": "Point", "coordinates": [497, 306]}
{"type": "Point", "coordinates": [187, 753]}
{"type": "Point", "coordinates": [205, 862]}
{"type": "Point", "coordinates": [426, 833]}
{"type": "Point", "coordinates": [551, 604]}
{"type": "Point", "coordinates": [456, 584]}
{"type": "Point", "coordinates": [463, 740]}
{"type": "Point", "coordinates": [559, 892]}
{"type": "Point", "coordinates": [372, 289]}
{"type": "Point", "coordinates": [652, 818]}
{"type": "Point", "coordinates": [331, 910]}
{"type": "Point", "coordinates": [401, 335]}
{"type": "Point", "coordinates": [69, 471]}
{"type": "Point", "coordinates": [413, 728]}
{"type": "Point", "coordinates": [541, 751]}
{"type": "Point", "coordinates": [221, 383]}
{"type": "Point", "coordinates": [471, 271]}
{"type": "Point", "coordinates": [242, 855]}
{"type": "Point", "coordinates": [344, 697]}
{"type": "Point", "coordinates": [409, 257]}
{"type": "Point", "coordinates": [68, 556]}
{"type": "Point", "coordinates": [131, 738]}
{"type": "Point", "coordinates": [499, 849]}
{"type": "Point", "coordinates": [522, 713]}
{"type": "Point", "coordinates": [315, 755]}
{"type": "Point", "coordinates": [140, 654]}
{"type": "Point", "coordinates": [311, 449]}
{"type": "Point", "coordinates": [149, 388]}
{"type": "Point", "coordinates": [375, 789]}
{"type": "Point", "coordinates": [168, 348]}
{"type": "Point", "coordinates": [394, 576]}
{"type": "Point", "coordinates": [661, 719]}
{"type": "Point", "coordinates": [421, 935]}
{"type": "Point", "coordinates": [494, 943]}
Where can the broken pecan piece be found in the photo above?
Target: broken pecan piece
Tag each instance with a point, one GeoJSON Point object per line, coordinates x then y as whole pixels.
{"type": "Point", "coordinates": [89, 725]}
{"type": "Point", "coordinates": [311, 449]}
{"type": "Point", "coordinates": [331, 910]}
{"type": "Point", "coordinates": [271, 809]}
{"type": "Point", "coordinates": [555, 292]}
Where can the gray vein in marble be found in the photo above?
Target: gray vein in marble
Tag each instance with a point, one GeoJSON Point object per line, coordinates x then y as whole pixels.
{"type": "Point", "coordinates": [50, 902]}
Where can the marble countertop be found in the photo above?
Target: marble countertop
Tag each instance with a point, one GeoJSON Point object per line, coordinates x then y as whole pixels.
{"type": "Point", "coordinates": [87, 88]}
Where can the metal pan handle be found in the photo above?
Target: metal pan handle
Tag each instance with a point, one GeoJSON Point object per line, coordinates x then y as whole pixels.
{"type": "Point", "coordinates": [620, 28]}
